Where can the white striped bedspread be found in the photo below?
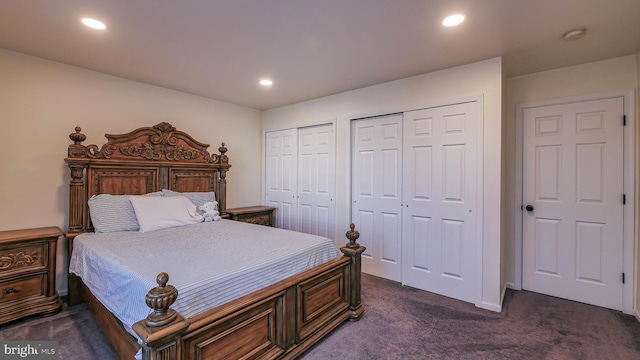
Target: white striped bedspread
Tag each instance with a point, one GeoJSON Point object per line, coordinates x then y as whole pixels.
{"type": "Point", "coordinates": [210, 263]}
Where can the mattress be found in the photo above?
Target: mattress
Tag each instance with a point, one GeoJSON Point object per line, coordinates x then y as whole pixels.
{"type": "Point", "coordinates": [210, 263]}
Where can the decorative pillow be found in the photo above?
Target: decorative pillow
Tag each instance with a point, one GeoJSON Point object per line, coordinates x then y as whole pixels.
{"type": "Point", "coordinates": [160, 212]}
{"type": "Point", "coordinates": [197, 198]}
{"type": "Point", "coordinates": [155, 193]}
{"type": "Point", "coordinates": [112, 213]}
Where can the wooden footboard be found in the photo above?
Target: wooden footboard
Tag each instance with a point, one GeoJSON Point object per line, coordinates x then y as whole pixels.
{"type": "Point", "coordinates": [278, 322]}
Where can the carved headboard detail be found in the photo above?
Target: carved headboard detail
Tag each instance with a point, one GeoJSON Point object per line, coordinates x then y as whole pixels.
{"type": "Point", "coordinates": [144, 160]}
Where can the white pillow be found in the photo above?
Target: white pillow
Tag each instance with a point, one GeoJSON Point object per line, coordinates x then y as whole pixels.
{"type": "Point", "coordinates": [197, 198]}
{"type": "Point", "coordinates": [154, 213]}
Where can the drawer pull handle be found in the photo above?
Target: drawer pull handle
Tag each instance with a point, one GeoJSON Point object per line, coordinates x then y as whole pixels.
{"type": "Point", "coordinates": [10, 290]}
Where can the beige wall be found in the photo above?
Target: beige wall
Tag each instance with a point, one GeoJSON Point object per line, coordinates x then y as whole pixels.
{"type": "Point", "coordinates": [42, 101]}
{"type": "Point", "coordinates": [637, 223]}
{"type": "Point", "coordinates": [477, 79]}
{"type": "Point", "coordinates": [618, 74]}
{"type": "Point", "coordinates": [504, 227]}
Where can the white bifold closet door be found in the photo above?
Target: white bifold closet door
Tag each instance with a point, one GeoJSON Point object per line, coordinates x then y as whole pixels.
{"type": "Point", "coordinates": [281, 155]}
{"type": "Point", "coordinates": [316, 178]}
{"type": "Point", "coordinates": [439, 186]}
{"type": "Point", "coordinates": [377, 193]}
{"type": "Point", "coordinates": [414, 189]}
{"type": "Point", "coordinates": [300, 178]}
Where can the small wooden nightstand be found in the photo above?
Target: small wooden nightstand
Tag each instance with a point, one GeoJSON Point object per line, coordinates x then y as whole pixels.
{"type": "Point", "coordinates": [261, 215]}
{"type": "Point", "coordinates": [28, 273]}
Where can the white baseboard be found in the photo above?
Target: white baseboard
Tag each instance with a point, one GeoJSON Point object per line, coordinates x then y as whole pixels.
{"type": "Point", "coordinates": [502, 294]}
{"type": "Point", "coordinates": [492, 306]}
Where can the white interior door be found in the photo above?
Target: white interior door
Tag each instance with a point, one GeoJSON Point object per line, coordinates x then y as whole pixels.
{"type": "Point", "coordinates": [377, 192]}
{"type": "Point", "coordinates": [573, 183]}
{"type": "Point", "coordinates": [439, 186]}
{"type": "Point", "coordinates": [281, 158]}
{"type": "Point", "coordinates": [316, 168]}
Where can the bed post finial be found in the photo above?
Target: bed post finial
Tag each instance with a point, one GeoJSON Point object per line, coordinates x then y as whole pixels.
{"type": "Point", "coordinates": [353, 235]}
{"type": "Point", "coordinates": [160, 299]}
{"type": "Point", "coordinates": [354, 251]}
{"type": "Point", "coordinates": [161, 331]}
{"type": "Point", "coordinates": [77, 150]}
{"type": "Point", "coordinates": [77, 137]}
{"type": "Point", "coordinates": [224, 159]}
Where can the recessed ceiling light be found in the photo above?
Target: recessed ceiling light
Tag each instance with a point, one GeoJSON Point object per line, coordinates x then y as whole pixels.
{"type": "Point", "coordinates": [94, 24]}
{"type": "Point", "coordinates": [575, 34]}
{"type": "Point", "coordinates": [453, 20]}
{"type": "Point", "coordinates": [266, 82]}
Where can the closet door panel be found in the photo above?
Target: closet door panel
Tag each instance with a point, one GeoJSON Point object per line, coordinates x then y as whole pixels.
{"type": "Point", "coordinates": [316, 178]}
{"type": "Point", "coordinates": [377, 192]}
{"type": "Point", "coordinates": [281, 155]}
{"type": "Point", "coordinates": [439, 188]}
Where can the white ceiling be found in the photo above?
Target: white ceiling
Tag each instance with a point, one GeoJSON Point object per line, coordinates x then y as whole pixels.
{"type": "Point", "coordinates": [311, 48]}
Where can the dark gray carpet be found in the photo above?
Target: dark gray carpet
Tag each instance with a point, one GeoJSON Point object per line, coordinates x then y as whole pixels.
{"type": "Point", "coordinates": [405, 323]}
{"type": "Point", "coordinates": [77, 333]}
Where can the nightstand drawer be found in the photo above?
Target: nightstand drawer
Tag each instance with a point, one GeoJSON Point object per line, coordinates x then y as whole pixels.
{"type": "Point", "coordinates": [22, 288]}
{"type": "Point", "coordinates": [257, 219]}
{"type": "Point", "coordinates": [22, 258]}
{"type": "Point", "coordinates": [261, 215]}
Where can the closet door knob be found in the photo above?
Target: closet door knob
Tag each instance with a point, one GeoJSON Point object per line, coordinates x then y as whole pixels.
{"type": "Point", "coordinates": [529, 207]}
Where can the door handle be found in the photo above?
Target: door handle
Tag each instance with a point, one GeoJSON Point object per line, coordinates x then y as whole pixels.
{"type": "Point", "coordinates": [529, 207]}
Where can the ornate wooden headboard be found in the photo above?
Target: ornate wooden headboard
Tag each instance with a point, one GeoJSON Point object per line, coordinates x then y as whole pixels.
{"type": "Point", "coordinates": [145, 160]}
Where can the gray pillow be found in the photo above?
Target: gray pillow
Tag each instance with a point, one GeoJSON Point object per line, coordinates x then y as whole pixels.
{"type": "Point", "coordinates": [197, 198]}
{"type": "Point", "coordinates": [111, 213]}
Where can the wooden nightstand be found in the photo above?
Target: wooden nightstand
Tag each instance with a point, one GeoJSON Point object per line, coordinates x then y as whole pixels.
{"type": "Point", "coordinates": [261, 215]}
{"type": "Point", "coordinates": [28, 273]}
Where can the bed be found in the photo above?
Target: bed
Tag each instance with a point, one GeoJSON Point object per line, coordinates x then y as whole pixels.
{"type": "Point", "coordinates": [278, 321]}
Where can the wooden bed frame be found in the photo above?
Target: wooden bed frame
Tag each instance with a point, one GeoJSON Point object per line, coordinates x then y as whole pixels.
{"type": "Point", "coordinates": [277, 322]}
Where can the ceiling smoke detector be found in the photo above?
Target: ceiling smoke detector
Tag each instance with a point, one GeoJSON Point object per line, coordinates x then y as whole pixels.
{"type": "Point", "coordinates": [574, 34]}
